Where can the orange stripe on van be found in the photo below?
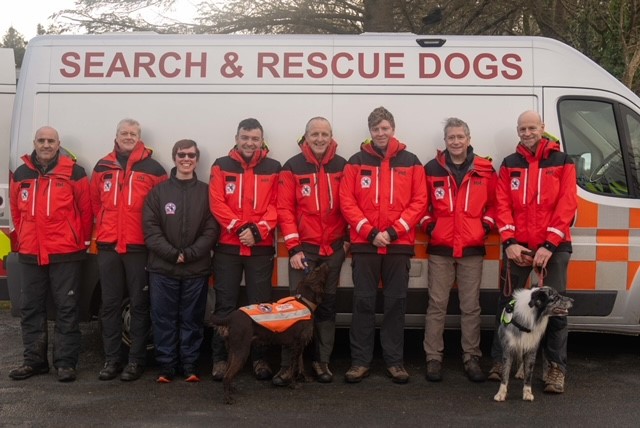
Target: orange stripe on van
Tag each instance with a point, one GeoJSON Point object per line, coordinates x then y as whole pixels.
{"type": "Point", "coordinates": [587, 214]}
{"type": "Point", "coordinates": [581, 275]}
{"type": "Point", "coordinates": [632, 271]}
{"type": "Point", "coordinates": [613, 245]}
{"type": "Point", "coordinates": [634, 218]}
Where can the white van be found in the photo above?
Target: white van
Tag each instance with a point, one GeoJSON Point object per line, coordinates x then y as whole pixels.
{"type": "Point", "coordinates": [200, 87]}
{"type": "Point", "coordinates": [7, 93]}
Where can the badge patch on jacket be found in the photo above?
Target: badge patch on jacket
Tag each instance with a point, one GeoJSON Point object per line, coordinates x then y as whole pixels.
{"type": "Point", "coordinates": [438, 192]}
{"type": "Point", "coordinates": [107, 186]}
{"type": "Point", "coordinates": [306, 190]}
{"type": "Point", "coordinates": [24, 194]}
{"type": "Point", "coordinates": [515, 183]}
{"type": "Point", "coordinates": [365, 182]}
{"type": "Point", "coordinates": [230, 188]}
{"type": "Point", "coordinates": [170, 208]}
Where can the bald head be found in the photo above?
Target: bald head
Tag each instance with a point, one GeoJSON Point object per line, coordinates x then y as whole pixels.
{"type": "Point", "coordinates": [530, 129]}
{"type": "Point", "coordinates": [46, 144]}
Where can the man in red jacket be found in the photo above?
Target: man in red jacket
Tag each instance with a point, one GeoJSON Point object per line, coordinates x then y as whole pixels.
{"type": "Point", "coordinates": [383, 195]}
{"type": "Point", "coordinates": [461, 186]}
{"type": "Point", "coordinates": [51, 212]}
{"type": "Point", "coordinates": [119, 185]}
{"type": "Point", "coordinates": [314, 231]}
{"type": "Point", "coordinates": [536, 205]}
{"type": "Point", "coordinates": [242, 197]}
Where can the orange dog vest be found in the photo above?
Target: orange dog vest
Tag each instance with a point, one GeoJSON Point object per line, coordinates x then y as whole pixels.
{"type": "Point", "coordinates": [278, 316]}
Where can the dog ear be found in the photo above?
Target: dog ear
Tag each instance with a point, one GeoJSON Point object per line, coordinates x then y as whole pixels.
{"type": "Point", "coordinates": [538, 299]}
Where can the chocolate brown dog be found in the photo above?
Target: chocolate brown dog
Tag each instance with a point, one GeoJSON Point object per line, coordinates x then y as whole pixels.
{"type": "Point", "coordinates": [239, 329]}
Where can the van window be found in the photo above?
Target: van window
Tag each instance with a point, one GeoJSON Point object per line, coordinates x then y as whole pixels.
{"type": "Point", "coordinates": [591, 137]}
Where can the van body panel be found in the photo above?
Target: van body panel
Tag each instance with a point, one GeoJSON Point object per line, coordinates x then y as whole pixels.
{"type": "Point", "coordinates": [200, 87]}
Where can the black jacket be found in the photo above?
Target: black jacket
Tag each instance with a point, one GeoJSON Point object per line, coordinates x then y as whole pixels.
{"type": "Point", "coordinates": [176, 218]}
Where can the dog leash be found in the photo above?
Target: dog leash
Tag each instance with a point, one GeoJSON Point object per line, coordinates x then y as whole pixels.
{"type": "Point", "coordinates": [507, 290]}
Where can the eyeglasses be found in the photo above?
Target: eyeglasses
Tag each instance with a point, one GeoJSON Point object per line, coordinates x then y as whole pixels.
{"type": "Point", "coordinates": [182, 155]}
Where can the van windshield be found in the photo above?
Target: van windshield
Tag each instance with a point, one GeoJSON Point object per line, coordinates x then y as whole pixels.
{"type": "Point", "coordinates": [605, 164]}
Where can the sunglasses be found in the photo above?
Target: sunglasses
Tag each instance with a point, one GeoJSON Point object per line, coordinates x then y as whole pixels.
{"type": "Point", "coordinates": [182, 155]}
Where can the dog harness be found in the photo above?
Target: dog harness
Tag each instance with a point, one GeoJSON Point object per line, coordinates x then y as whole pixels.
{"type": "Point", "coordinates": [507, 317]}
{"type": "Point", "coordinates": [278, 316]}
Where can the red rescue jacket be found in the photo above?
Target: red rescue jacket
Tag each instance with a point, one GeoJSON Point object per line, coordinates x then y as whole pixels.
{"type": "Point", "coordinates": [536, 197]}
{"type": "Point", "coordinates": [383, 194]}
{"type": "Point", "coordinates": [459, 218]}
{"type": "Point", "coordinates": [309, 202]}
{"type": "Point", "coordinates": [117, 197]}
{"type": "Point", "coordinates": [244, 195]}
{"type": "Point", "coordinates": [51, 211]}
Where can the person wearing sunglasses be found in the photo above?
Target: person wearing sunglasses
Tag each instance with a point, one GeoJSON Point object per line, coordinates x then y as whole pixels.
{"type": "Point", "coordinates": [180, 233]}
{"type": "Point", "coordinates": [119, 184]}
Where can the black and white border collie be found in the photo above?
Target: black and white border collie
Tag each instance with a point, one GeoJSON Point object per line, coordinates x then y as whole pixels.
{"type": "Point", "coordinates": [522, 325]}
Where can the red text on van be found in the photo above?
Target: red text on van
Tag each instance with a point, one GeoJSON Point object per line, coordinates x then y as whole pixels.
{"type": "Point", "coordinates": [343, 65]}
{"type": "Point", "coordinates": [138, 64]}
{"type": "Point", "coordinates": [459, 66]}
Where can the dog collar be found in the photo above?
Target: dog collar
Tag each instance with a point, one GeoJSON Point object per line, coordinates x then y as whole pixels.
{"type": "Point", "coordinates": [507, 317]}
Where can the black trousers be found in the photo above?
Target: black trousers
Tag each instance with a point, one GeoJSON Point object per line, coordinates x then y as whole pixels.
{"type": "Point", "coordinates": [228, 270]}
{"type": "Point", "coordinates": [367, 271]}
{"type": "Point", "coordinates": [120, 273]}
{"type": "Point", "coordinates": [62, 281]}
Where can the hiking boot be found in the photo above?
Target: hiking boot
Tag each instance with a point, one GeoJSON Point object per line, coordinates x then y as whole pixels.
{"type": "Point", "coordinates": [25, 372]}
{"type": "Point", "coordinates": [434, 371]}
{"type": "Point", "coordinates": [66, 374]}
{"type": "Point", "coordinates": [166, 375]}
{"type": "Point", "coordinates": [132, 372]}
{"type": "Point", "coordinates": [261, 370]}
{"type": "Point", "coordinates": [110, 370]}
{"type": "Point", "coordinates": [473, 370]}
{"type": "Point", "coordinates": [398, 374]}
{"type": "Point", "coordinates": [495, 374]}
{"type": "Point", "coordinates": [283, 377]}
{"type": "Point", "coordinates": [355, 374]}
{"type": "Point", "coordinates": [323, 374]}
{"type": "Point", "coordinates": [555, 380]}
{"type": "Point", "coordinates": [219, 369]}
{"type": "Point", "coordinates": [190, 373]}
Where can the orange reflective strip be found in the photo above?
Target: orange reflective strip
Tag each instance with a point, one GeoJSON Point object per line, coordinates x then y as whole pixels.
{"type": "Point", "coordinates": [634, 218]}
{"type": "Point", "coordinates": [612, 245]}
{"type": "Point", "coordinates": [581, 275]}
{"type": "Point", "coordinates": [632, 271]}
{"type": "Point", "coordinates": [587, 214]}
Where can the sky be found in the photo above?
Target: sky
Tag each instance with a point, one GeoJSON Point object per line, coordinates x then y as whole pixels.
{"type": "Point", "coordinates": [25, 15]}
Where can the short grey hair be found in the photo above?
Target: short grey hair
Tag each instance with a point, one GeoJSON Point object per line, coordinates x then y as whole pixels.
{"type": "Point", "coordinates": [454, 122]}
{"type": "Point", "coordinates": [130, 122]}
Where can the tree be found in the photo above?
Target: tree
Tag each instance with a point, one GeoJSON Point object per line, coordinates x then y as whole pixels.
{"type": "Point", "coordinates": [13, 39]}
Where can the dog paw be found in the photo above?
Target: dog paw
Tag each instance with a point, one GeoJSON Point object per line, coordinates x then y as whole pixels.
{"type": "Point", "coordinates": [502, 394]}
{"type": "Point", "coordinates": [527, 395]}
